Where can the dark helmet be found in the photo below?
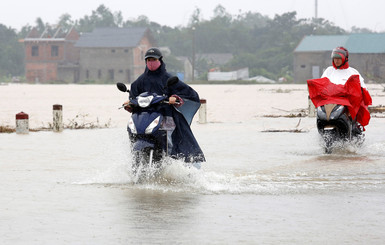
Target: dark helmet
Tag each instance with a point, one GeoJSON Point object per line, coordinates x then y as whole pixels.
{"type": "Point", "coordinates": [153, 53]}
{"type": "Point", "coordinates": [342, 53]}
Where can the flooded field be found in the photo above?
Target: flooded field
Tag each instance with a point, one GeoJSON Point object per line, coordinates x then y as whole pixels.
{"type": "Point", "coordinates": [256, 187]}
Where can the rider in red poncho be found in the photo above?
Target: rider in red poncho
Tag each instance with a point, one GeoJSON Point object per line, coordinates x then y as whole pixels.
{"type": "Point", "coordinates": [341, 84]}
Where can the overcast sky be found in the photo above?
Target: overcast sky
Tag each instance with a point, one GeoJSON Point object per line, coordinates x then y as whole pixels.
{"type": "Point", "coordinates": [343, 13]}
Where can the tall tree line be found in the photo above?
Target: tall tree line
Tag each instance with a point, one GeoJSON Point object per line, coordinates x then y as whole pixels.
{"type": "Point", "coordinates": [263, 44]}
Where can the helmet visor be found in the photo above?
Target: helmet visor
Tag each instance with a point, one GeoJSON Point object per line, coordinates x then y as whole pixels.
{"type": "Point", "coordinates": [338, 54]}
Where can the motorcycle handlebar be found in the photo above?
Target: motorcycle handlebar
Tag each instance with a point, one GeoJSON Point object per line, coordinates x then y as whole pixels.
{"type": "Point", "coordinates": [177, 102]}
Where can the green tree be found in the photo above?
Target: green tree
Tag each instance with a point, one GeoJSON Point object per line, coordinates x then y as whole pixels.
{"type": "Point", "coordinates": [65, 22]}
{"type": "Point", "coordinates": [40, 25]}
{"type": "Point", "coordinates": [355, 29]}
{"type": "Point", "coordinates": [101, 17]}
{"type": "Point", "coordinates": [263, 44]}
{"type": "Point", "coordinates": [11, 53]}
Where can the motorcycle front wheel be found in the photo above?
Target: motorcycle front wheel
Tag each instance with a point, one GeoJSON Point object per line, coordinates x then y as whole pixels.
{"type": "Point", "coordinates": [146, 163]}
{"type": "Point", "coordinates": [329, 137]}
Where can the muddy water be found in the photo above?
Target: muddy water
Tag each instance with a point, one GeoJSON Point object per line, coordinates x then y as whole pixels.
{"type": "Point", "coordinates": [257, 187]}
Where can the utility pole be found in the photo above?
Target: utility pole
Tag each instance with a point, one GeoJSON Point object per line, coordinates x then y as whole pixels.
{"type": "Point", "coordinates": [193, 54]}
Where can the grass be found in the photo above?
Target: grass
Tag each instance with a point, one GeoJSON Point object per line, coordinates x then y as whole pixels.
{"type": "Point", "coordinates": [7, 129]}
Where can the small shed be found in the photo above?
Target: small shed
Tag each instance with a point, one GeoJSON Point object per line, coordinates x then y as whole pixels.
{"type": "Point", "coordinates": [366, 53]}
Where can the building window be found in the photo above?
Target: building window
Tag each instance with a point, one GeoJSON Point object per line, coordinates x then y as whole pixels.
{"type": "Point", "coordinates": [99, 73]}
{"type": "Point", "coordinates": [112, 50]}
{"type": "Point", "coordinates": [126, 50]}
{"type": "Point", "coordinates": [54, 51]}
{"type": "Point", "coordinates": [35, 51]}
{"type": "Point", "coordinates": [303, 66]}
{"type": "Point", "coordinates": [111, 74]}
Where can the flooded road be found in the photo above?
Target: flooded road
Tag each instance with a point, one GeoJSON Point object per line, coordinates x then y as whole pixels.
{"type": "Point", "coordinates": [256, 187]}
{"type": "Point", "coordinates": [75, 187]}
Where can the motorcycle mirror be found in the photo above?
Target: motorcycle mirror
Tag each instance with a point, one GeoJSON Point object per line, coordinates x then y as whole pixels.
{"type": "Point", "coordinates": [172, 80]}
{"type": "Point", "coordinates": [122, 87]}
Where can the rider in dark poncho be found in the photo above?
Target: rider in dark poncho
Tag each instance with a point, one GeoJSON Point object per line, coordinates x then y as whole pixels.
{"type": "Point", "coordinates": [154, 80]}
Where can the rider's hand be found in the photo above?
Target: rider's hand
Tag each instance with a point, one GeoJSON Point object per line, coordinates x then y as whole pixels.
{"type": "Point", "coordinates": [175, 100]}
{"type": "Point", "coordinates": [127, 106]}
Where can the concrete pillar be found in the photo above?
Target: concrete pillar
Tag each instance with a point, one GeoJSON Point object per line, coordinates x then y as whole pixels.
{"type": "Point", "coordinates": [203, 112]}
{"type": "Point", "coordinates": [57, 125]}
{"type": "Point", "coordinates": [312, 110]}
{"type": "Point", "coordinates": [22, 123]}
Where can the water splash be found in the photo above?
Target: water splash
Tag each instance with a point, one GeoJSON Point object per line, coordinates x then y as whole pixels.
{"type": "Point", "coordinates": [319, 177]}
{"type": "Point", "coordinates": [300, 171]}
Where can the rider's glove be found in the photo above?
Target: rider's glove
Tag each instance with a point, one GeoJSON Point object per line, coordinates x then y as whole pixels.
{"type": "Point", "coordinates": [179, 100]}
{"type": "Point", "coordinates": [128, 107]}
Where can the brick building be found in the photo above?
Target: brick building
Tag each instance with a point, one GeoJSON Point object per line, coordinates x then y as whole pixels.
{"type": "Point", "coordinates": [51, 56]}
{"type": "Point", "coordinates": [103, 55]}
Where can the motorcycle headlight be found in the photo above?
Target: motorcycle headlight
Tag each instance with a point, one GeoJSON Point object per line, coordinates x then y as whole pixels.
{"type": "Point", "coordinates": [145, 101]}
{"type": "Point", "coordinates": [131, 126]}
{"type": "Point", "coordinates": [152, 125]}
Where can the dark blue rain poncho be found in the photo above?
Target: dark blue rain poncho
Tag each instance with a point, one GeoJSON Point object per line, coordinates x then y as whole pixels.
{"type": "Point", "coordinates": [185, 145]}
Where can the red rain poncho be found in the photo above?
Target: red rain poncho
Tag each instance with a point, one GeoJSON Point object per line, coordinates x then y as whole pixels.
{"type": "Point", "coordinates": [351, 95]}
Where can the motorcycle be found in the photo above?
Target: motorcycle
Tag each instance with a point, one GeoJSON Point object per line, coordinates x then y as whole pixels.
{"type": "Point", "coordinates": [338, 117]}
{"type": "Point", "coordinates": [149, 129]}
{"type": "Point", "coordinates": [335, 126]}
